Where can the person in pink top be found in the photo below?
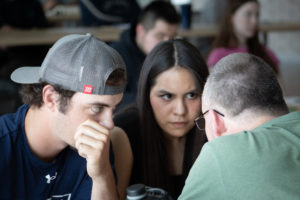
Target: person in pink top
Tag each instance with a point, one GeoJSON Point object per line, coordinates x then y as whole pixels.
{"type": "Point", "coordinates": [239, 33]}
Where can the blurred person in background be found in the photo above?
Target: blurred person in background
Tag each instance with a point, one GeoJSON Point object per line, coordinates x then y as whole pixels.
{"type": "Point", "coordinates": [51, 4]}
{"type": "Point", "coordinates": [108, 12]}
{"type": "Point", "coordinates": [20, 14]}
{"type": "Point", "coordinates": [157, 22]}
{"type": "Point", "coordinates": [14, 15]}
{"type": "Point", "coordinates": [239, 33]}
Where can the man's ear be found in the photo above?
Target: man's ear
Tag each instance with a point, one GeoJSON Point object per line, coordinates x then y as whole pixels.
{"type": "Point", "coordinates": [218, 123]}
{"type": "Point", "coordinates": [50, 97]}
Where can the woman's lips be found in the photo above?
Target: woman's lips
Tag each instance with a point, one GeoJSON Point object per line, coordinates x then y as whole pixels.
{"type": "Point", "coordinates": [179, 124]}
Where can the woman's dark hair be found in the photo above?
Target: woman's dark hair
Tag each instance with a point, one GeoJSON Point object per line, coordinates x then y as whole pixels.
{"type": "Point", "coordinates": [164, 56]}
{"type": "Point", "coordinates": [227, 38]}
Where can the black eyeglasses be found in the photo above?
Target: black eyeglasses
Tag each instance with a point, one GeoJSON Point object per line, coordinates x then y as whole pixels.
{"type": "Point", "coordinates": [198, 119]}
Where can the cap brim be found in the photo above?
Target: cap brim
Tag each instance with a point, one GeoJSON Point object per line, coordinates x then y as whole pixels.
{"type": "Point", "coordinates": [26, 75]}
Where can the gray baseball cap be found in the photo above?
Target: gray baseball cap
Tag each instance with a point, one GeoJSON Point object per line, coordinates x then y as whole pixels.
{"type": "Point", "coordinates": [80, 63]}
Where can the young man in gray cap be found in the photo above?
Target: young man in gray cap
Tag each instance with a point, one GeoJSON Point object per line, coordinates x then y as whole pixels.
{"type": "Point", "coordinates": [57, 145]}
{"type": "Point", "coordinates": [257, 156]}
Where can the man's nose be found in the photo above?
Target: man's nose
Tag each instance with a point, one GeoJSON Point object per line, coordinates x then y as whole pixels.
{"type": "Point", "coordinates": [106, 120]}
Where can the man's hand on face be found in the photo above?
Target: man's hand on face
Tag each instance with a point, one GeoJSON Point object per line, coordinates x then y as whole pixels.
{"type": "Point", "coordinates": [92, 141]}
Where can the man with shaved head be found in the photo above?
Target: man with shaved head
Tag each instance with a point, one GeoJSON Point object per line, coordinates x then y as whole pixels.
{"type": "Point", "coordinates": [258, 155]}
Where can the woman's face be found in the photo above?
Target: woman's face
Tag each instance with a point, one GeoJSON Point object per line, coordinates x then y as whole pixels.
{"type": "Point", "coordinates": [245, 20]}
{"type": "Point", "coordinates": [175, 101]}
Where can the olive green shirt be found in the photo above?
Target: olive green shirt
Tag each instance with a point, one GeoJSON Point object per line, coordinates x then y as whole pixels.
{"type": "Point", "coordinates": [260, 164]}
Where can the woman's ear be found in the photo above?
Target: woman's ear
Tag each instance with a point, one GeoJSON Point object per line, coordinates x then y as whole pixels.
{"type": "Point", "coordinates": [50, 97]}
{"type": "Point", "coordinates": [217, 123]}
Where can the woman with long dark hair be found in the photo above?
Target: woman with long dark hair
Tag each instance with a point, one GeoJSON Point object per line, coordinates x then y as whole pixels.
{"type": "Point", "coordinates": [239, 33]}
{"type": "Point", "coordinates": [164, 139]}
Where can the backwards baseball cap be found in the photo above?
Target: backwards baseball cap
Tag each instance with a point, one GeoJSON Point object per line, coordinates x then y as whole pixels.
{"type": "Point", "coordinates": [80, 63]}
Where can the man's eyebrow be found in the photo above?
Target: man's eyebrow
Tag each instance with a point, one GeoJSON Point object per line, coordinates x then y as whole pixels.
{"type": "Point", "coordinates": [103, 105]}
{"type": "Point", "coordinates": [99, 104]}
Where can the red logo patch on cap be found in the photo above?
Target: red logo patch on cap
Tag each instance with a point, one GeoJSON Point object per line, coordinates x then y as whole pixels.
{"type": "Point", "coordinates": [88, 89]}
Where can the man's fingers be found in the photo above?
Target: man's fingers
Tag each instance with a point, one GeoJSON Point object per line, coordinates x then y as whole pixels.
{"type": "Point", "coordinates": [90, 141]}
{"type": "Point", "coordinates": [90, 153]}
{"type": "Point", "coordinates": [96, 126]}
{"type": "Point", "coordinates": [83, 150]}
{"type": "Point", "coordinates": [91, 131]}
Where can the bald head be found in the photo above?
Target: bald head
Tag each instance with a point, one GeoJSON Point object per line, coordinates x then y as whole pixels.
{"type": "Point", "coordinates": [242, 81]}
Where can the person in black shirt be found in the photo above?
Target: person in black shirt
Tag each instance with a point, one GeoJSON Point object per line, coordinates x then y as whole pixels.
{"type": "Point", "coordinates": [161, 129]}
{"type": "Point", "coordinates": [157, 22]}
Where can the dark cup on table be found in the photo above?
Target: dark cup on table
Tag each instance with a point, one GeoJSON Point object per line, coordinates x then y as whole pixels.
{"type": "Point", "coordinates": [185, 15]}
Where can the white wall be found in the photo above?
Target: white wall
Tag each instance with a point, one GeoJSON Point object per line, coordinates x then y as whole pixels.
{"type": "Point", "coordinates": [285, 44]}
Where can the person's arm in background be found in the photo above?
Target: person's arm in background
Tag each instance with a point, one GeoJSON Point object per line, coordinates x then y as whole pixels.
{"type": "Point", "coordinates": [123, 159]}
{"type": "Point", "coordinates": [49, 4]}
{"type": "Point", "coordinates": [204, 180]}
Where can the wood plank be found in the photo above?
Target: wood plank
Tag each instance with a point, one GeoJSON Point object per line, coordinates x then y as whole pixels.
{"type": "Point", "coordinates": [112, 33]}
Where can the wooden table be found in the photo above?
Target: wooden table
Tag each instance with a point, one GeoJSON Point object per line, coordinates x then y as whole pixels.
{"type": "Point", "coordinates": [50, 35]}
{"type": "Point", "coordinates": [202, 30]}
{"type": "Point", "coordinates": [110, 33]}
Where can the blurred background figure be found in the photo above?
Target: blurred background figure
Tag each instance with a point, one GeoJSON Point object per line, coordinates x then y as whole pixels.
{"type": "Point", "coordinates": [164, 139]}
{"type": "Point", "coordinates": [51, 4]}
{"type": "Point", "coordinates": [62, 13]}
{"type": "Point", "coordinates": [239, 33]}
{"type": "Point", "coordinates": [157, 22]}
{"type": "Point", "coordinates": [22, 14]}
{"type": "Point", "coordinates": [107, 12]}
{"type": "Point", "coordinates": [18, 14]}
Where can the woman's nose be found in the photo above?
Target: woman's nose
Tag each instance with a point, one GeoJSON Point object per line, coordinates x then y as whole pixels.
{"type": "Point", "coordinates": [180, 107]}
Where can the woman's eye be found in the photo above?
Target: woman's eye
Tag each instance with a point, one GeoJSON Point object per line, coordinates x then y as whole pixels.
{"type": "Point", "coordinates": [249, 14]}
{"type": "Point", "coordinates": [166, 96]}
{"type": "Point", "coordinates": [192, 95]}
